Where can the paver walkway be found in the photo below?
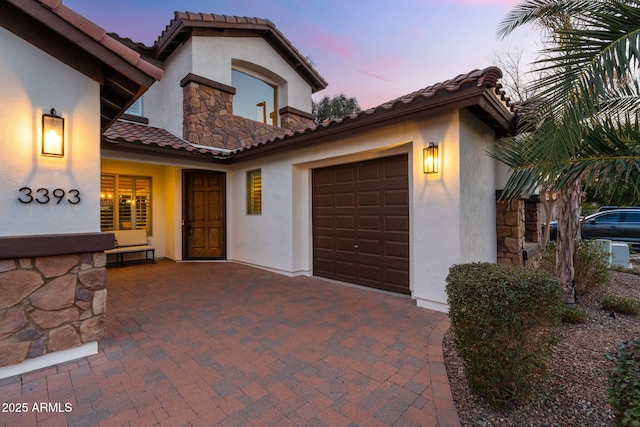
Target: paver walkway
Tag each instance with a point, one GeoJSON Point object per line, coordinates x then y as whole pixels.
{"type": "Point", "coordinates": [208, 344]}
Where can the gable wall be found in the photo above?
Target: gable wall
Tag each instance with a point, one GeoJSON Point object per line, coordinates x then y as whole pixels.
{"type": "Point", "coordinates": [213, 58]}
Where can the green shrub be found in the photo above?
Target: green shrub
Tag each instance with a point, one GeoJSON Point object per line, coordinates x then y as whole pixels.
{"type": "Point", "coordinates": [624, 385]}
{"type": "Point", "coordinates": [501, 318]}
{"type": "Point", "coordinates": [590, 264]}
{"type": "Point", "coordinates": [620, 305]}
{"type": "Point", "coordinates": [573, 315]}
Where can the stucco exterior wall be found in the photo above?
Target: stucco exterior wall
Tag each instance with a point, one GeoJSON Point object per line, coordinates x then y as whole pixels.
{"type": "Point", "coordinates": [213, 57]}
{"type": "Point", "coordinates": [162, 103]}
{"type": "Point", "coordinates": [32, 83]}
{"type": "Point", "coordinates": [280, 239]}
{"type": "Point", "coordinates": [477, 191]}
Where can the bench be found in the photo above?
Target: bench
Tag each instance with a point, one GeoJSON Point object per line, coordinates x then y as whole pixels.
{"type": "Point", "coordinates": [131, 241]}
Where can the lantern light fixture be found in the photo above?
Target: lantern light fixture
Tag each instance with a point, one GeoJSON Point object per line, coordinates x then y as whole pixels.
{"type": "Point", "coordinates": [430, 158]}
{"type": "Point", "coordinates": [52, 134]}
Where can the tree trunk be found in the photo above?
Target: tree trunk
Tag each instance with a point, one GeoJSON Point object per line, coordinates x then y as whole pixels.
{"type": "Point", "coordinates": [569, 204]}
{"type": "Point", "coordinates": [549, 204]}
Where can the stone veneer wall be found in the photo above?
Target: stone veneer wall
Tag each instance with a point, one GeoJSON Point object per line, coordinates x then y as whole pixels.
{"type": "Point", "coordinates": [208, 118]}
{"type": "Point", "coordinates": [533, 223]}
{"type": "Point", "coordinates": [50, 303]}
{"type": "Point", "coordinates": [510, 228]}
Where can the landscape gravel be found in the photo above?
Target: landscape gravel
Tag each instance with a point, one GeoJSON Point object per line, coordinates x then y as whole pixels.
{"type": "Point", "coordinates": [576, 395]}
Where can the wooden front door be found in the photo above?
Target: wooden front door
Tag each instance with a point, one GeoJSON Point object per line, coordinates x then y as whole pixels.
{"type": "Point", "coordinates": [361, 223]}
{"type": "Point", "coordinates": [204, 215]}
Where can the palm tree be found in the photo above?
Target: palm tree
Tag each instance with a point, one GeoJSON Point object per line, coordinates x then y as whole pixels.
{"type": "Point", "coordinates": [582, 122]}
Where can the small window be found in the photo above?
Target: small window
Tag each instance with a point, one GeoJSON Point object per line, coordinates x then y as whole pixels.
{"type": "Point", "coordinates": [255, 99]}
{"type": "Point", "coordinates": [125, 203]}
{"type": "Point", "coordinates": [254, 192]}
{"type": "Point", "coordinates": [136, 108]}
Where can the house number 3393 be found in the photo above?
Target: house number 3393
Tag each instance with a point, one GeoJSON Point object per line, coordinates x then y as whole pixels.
{"type": "Point", "coordinates": [44, 196]}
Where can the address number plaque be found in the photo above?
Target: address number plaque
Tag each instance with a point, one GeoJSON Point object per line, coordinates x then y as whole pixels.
{"type": "Point", "coordinates": [44, 196]}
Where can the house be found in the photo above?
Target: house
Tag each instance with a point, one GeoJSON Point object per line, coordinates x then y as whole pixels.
{"type": "Point", "coordinates": [219, 160]}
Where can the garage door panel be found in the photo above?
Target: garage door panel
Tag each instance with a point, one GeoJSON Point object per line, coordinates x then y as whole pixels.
{"type": "Point", "coordinates": [323, 178]}
{"type": "Point", "coordinates": [370, 222]}
{"type": "Point", "coordinates": [396, 197]}
{"type": "Point", "coordinates": [399, 250]}
{"type": "Point", "coordinates": [345, 199]}
{"type": "Point", "coordinates": [324, 242]}
{"type": "Point", "coordinates": [397, 278]}
{"type": "Point", "coordinates": [370, 273]}
{"type": "Point", "coordinates": [345, 244]}
{"type": "Point", "coordinates": [396, 223]}
{"type": "Point", "coordinates": [324, 266]}
{"type": "Point", "coordinates": [345, 268]}
{"type": "Point", "coordinates": [369, 198]}
{"type": "Point", "coordinates": [325, 221]}
{"type": "Point", "coordinates": [344, 222]}
{"type": "Point", "coordinates": [325, 200]}
{"type": "Point", "coordinates": [368, 203]}
{"type": "Point", "coordinates": [369, 247]}
{"type": "Point", "coordinates": [369, 171]}
{"type": "Point", "coordinates": [344, 175]}
{"type": "Point", "coordinates": [396, 167]}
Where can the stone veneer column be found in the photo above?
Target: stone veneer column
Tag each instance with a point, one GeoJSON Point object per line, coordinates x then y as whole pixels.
{"type": "Point", "coordinates": [208, 117]}
{"type": "Point", "coordinates": [533, 224]}
{"type": "Point", "coordinates": [50, 303]}
{"type": "Point", "coordinates": [510, 228]}
{"type": "Point", "coordinates": [295, 120]}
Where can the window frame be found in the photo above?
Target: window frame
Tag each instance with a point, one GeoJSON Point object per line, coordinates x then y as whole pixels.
{"type": "Point", "coordinates": [270, 117]}
{"type": "Point", "coordinates": [254, 192]}
{"type": "Point", "coordinates": [115, 217]}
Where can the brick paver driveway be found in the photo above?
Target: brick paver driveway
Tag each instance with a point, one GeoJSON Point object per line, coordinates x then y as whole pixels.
{"type": "Point", "coordinates": [225, 344]}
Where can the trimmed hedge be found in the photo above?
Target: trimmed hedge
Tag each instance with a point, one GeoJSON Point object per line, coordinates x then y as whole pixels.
{"type": "Point", "coordinates": [501, 317]}
{"type": "Point", "coordinates": [624, 385]}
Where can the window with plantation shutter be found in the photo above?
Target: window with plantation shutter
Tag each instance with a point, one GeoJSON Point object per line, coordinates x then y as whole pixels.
{"type": "Point", "coordinates": [254, 192]}
{"type": "Point", "coordinates": [125, 202]}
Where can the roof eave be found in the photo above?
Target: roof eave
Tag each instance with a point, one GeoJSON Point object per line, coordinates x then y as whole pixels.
{"type": "Point", "coordinates": [121, 80]}
{"type": "Point", "coordinates": [133, 147]}
{"type": "Point", "coordinates": [181, 29]}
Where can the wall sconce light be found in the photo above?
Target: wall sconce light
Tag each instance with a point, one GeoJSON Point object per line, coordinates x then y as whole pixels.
{"type": "Point", "coordinates": [430, 155]}
{"type": "Point", "coordinates": [52, 134]}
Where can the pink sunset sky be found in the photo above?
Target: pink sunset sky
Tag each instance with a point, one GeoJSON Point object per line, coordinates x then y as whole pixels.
{"type": "Point", "coordinates": [372, 50]}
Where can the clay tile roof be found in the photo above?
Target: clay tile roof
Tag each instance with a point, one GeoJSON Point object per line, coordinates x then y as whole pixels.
{"type": "Point", "coordinates": [480, 79]}
{"type": "Point", "coordinates": [179, 27]}
{"type": "Point", "coordinates": [136, 133]}
{"type": "Point", "coordinates": [100, 35]}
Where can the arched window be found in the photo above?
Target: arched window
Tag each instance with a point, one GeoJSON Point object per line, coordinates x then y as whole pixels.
{"type": "Point", "coordinates": [255, 99]}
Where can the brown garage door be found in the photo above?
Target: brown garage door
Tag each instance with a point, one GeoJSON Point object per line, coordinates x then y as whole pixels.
{"type": "Point", "coordinates": [361, 223]}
